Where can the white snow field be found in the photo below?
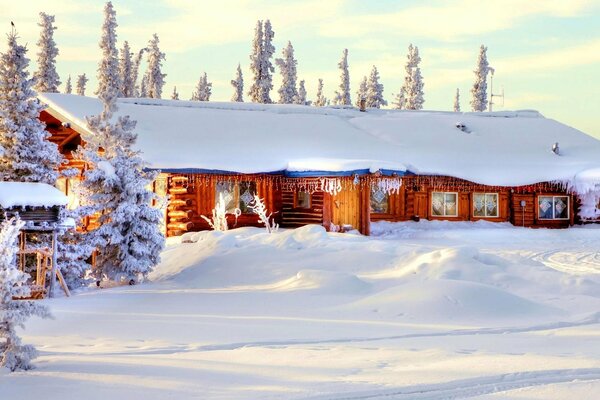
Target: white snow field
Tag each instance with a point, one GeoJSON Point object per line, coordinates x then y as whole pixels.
{"type": "Point", "coordinates": [428, 310]}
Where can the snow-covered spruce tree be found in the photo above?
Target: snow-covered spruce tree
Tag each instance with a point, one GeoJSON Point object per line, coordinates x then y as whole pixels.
{"type": "Point", "coordinates": [68, 86]}
{"type": "Point", "coordinates": [81, 82]}
{"type": "Point", "coordinates": [399, 102]}
{"type": "Point", "coordinates": [238, 86]}
{"type": "Point", "coordinates": [115, 187]}
{"type": "Point", "coordinates": [47, 79]}
{"type": "Point", "coordinates": [73, 253]}
{"type": "Point", "coordinates": [320, 101]}
{"type": "Point", "coordinates": [108, 69]}
{"type": "Point", "coordinates": [203, 89]}
{"type": "Point", "coordinates": [260, 63]}
{"type": "Point", "coordinates": [144, 87]}
{"type": "Point", "coordinates": [342, 97]}
{"type": "Point", "coordinates": [27, 155]}
{"type": "Point", "coordinates": [457, 101]}
{"type": "Point", "coordinates": [156, 79]}
{"type": "Point", "coordinates": [175, 94]}
{"type": "Point", "coordinates": [479, 91]}
{"type": "Point", "coordinates": [135, 73]}
{"type": "Point", "coordinates": [375, 91]}
{"type": "Point", "coordinates": [301, 97]}
{"type": "Point", "coordinates": [413, 81]}
{"type": "Point", "coordinates": [287, 66]}
{"type": "Point", "coordinates": [13, 313]}
{"type": "Point", "coordinates": [361, 93]}
{"type": "Point", "coordinates": [126, 71]}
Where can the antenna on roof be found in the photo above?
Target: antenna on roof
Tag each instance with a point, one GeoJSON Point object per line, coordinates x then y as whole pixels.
{"type": "Point", "coordinates": [492, 95]}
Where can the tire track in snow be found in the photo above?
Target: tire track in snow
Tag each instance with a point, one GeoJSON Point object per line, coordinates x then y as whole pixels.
{"type": "Point", "coordinates": [573, 262]}
{"type": "Point", "coordinates": [593, 319]}
{"type": "Point", "coordinates": [472, 387]}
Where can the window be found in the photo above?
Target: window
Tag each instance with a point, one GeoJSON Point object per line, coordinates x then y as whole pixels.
{"type": "Point", "coordinates": [236, 195]}
{"type": "Point", "coordinates": [302, 199]}
{"type": "Point", "coordinates": [444, 204]}
{"type": "Point", "coordinates": [485, 205]}
{"type": "Point", "coordinates": [553, 207]}
{"type": "Point", "coordinates": [380, 200]}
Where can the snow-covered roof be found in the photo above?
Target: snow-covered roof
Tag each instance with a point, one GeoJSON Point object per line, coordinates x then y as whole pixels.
{"type": "Point", "coordinates": [500, 148]}
{"type": "Point", "coordinates": [21, 194]}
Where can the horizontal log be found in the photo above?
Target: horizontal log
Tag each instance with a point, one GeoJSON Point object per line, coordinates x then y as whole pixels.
{"type": "Point", "coordinates": [179, 179]}
{"type": "Point", "coordinates": [181, 226]}
{"type": "Point", "coordinates": [181, 190]}
{"type": "Point", "coordinates": [180, 214]}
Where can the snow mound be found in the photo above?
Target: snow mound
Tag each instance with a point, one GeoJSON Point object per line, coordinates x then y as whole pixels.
{"type": "Point", "coordinates": [325, 282]}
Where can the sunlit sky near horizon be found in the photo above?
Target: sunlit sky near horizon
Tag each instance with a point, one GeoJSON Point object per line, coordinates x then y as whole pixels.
{"type": "Point", "coordinates": [546, 53]}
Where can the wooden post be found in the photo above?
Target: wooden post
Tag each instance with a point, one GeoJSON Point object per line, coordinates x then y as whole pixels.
{"type": "Point", "coordinates": [54, 263]}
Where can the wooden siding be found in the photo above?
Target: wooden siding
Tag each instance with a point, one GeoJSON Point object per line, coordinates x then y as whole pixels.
{"type": "Point", "coordinates": [293, 217]}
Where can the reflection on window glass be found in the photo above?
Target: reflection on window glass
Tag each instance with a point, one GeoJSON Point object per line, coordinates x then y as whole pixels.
{"type": "Point", "coordinates": [236, 195]}
{"type": "Point", "coordinates": [380, 200]}
{"type": "Point", "coordinates": [485, 205]}
{"type": "Point", "coordinates": [444, 204]}
{"type": "Point", "coordinates": [302, 199]}
{"type": "Point", "coordinates": [553, 207]}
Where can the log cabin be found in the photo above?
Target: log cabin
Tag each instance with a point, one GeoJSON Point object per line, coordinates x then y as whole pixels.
{"type": "Point", "coordinates": [345, 169]}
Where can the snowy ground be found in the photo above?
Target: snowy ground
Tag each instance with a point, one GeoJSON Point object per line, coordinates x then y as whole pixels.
{"type": "Point", "coordinates": [421, 311]}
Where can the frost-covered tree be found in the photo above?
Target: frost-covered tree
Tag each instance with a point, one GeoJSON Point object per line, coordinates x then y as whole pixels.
{"type": "Point", "coordinates": [238, 86]}
{"type": "Point", "coordinates": [259, 208]}
{"type": "Point", "coordinates": [73, 253]}
{"type": "Point", "coordinates": [135, 72]}
{"type": "Point", "coordinates": [175, 94]}
{"type": "Point", "coordinates": [342, 97]}
{"type": "Point", "coordinates": [413, 81]}
{"type": "Point", "coordinates": [374, 98]}
{"type": "Point", "coordinates": [361, 93]}
{"type": "Point", "coordinates": [81, 83]}
{"type": "Point", "coordinates": [155, 78]}
{"type": "Point", "coordinates": [457, 101]}
{"type": "Point", "coordinates": [203, 89]}
{"type": "Point", "coordinates": [320, 101]}
{"type": "Point", "coordinates": [260, 63]}
{"type": "Point", "coordinates": [301, 97]}
{"type": "Point", "coordinates": [13, 310]}
{"type": "Point", "coordinates": [399, 101]}
{"type": "Point", "coordinates": [144, 87]}
{"type": "Point", "coordinates": [288, 92]}
{"type": "Point", "coordinates": [27, 155]}
{"type": "Point", "coordinates": [126, 71]}
{"type": "Point", "coordinates": [108, 68]}
{"type": "Point", "coordinates": [47, 79]}
{"type": "Point", "coordinates": [479, 91]}
{"type": "Point", "coordinates": [68, 86]}
{"type": "Point", "coordinates": [115, 188]}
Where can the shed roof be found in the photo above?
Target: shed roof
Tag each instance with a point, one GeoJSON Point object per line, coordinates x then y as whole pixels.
{"type": "Point", "coordinates": [500, 148]}
{"type": "Point", "coordinates": [22, 194]}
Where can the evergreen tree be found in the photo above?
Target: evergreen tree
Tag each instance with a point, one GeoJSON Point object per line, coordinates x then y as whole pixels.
{"type": "Point", "coordinates": [238, 86]}
{"type": "Point", "coordinates": [27, 155]}
{"type": "Point", "coordinates": [361, 93]}
{"type": "Point", "coordinates": [156, 79]}
{"type": "Point", "coordinates": [175, 94]}
{"type": "Point", "coordinates": [413, 81]}
{"type": "Point", "coordinates": [301, 97]}
{"type": "Point", "coordinates": [260, 63]}
{"type": "Point", "coordinates": [13, 311]}
{"type": "Point", "coordinates": [47, 79]}
{"type": "Point", "coordinates": [287, 65]}
{"type": "Point", "coordinates": [126, 71]}
{"type": "Point", "coordinates": [479, 91]}
{"type": "Point", "coordinates": [115, 187]}
{"type": "Point", "coordinates": [68, 86]}
{"type": "Point", "coordinates": [203, 89]}
{"type": "Point", "coordinates": [144, 87]}
{"type": "Point", "coordinates": [81, 82]}
{"type": "Point", "coordinates": [374, 95]}
{"type": "Point", "coordinates": [342, 97]}
{"type": "Point", "coordinates": [108, 69]}
{"type": "Point", "coordinates": [457, 101]}
{"type": "Point", "coordinates": [399, 101]}
{"type": "Point", "coordinates": [135, 73]}
{"type": "Point", "coordinates": [320, 101]}
{"type": "Point", "coordinates": [73, 252]}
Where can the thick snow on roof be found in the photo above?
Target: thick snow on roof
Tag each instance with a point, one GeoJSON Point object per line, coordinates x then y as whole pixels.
{"type": "Point", "coordinates": [20, 194]}
{"type": "Point", "coordinates": [501, 148]}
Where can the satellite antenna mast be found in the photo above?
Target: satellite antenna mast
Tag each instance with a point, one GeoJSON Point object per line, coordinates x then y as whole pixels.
{"type": "Point", "coordinates": [492, 95]}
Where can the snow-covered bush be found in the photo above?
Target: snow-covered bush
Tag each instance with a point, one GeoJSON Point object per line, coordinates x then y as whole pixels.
{"type": "Point", "coordinates": [238, 86]}
{"type": "Point", "coordinates": [68, 86]}
{"type": "Point", "coordinates": [321, 100]}
{"type": "Point", "coordinates": [258, 207]}
{"type": "Point", "coordinates": [203, 89]}
{"type": "Point", "coordinates": [13, 310]}
{"type": "Point", "coordinates": [218, 221]}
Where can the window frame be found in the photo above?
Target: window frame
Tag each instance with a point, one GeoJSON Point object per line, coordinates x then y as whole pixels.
{"type": "Point", "coordinates": [485, 194]}
{"type": "Point", "coordinates": [553, 196]}
{"type": "Point", "coordinates": [387, 195]}
{"type": "Point", "coordinates": [236, 195]}
{"type": "Point", "coordinates": [444, 215]}
{"type": "Point", "coordinates": [297, 196]}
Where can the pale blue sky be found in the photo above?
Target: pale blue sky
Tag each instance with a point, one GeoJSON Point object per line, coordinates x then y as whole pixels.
{"type": "Point", "coordinates": [546, 52]}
